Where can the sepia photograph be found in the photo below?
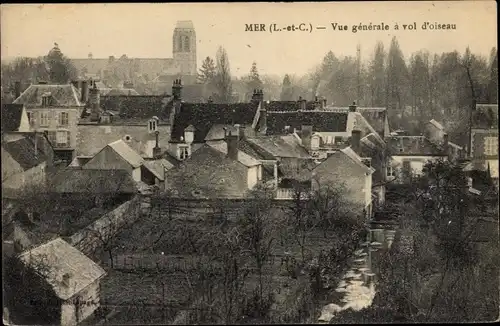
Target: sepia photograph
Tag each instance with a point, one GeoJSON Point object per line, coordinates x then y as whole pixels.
{"type": "Point", "coordinates": [250, 163]}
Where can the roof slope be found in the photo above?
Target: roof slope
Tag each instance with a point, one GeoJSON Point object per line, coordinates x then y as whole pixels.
{"type": "Point", "coordinates": [23, 152]}
{"type": "Point", "coordinates": [63, 259]}
{"type": "Point", "coordinates": [127, 153]}
{"type": "Point", "coordinates": [357, 159]}
{"type": "Point", "coordinates": [243, 158]}
{"type": "Point", "coordinates": [62, 95]}
{"type": "Point", "coordinates": [414, 145]}
{"type": "Point", "coordinates": [93, 181]}
{"type": "Point", "coordinates": [280, 146]}
{"type": "Point", "coordinates": [204, 115]}
{"type": "Point", "coordinates": [138, 106]}
{"type": "Point", "coordinates": [322, 121]}
{"type": "Point", "coordinates": [11, 116]}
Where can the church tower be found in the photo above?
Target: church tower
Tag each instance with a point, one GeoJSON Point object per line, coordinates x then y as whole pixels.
{"type": "Point", "coordinates": [184, 47]}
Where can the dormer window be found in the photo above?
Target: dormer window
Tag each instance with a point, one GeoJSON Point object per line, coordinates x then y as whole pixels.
{"type": "Point", "coordinates": [189, 134]}
{"type": "Point", "coordinates": [46, 99]}
{"type": "Point", "coordinates": [315, 142]}
{"type": "Point", "coordinates": [153, 124]}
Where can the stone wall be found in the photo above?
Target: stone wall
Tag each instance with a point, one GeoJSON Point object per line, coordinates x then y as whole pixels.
{"type": "Point", "coordinates": [98, 233]}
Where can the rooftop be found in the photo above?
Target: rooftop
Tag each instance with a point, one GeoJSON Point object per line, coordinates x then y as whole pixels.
{"type": "Point", "coordinates": [61, 95]}
{"type": "Point", "coordinates": [243, 158]}
{"type": "Point", "coordinates": [23, 152]}
{"type": "Point", "coordinates": [127, 153]}
{"type": "Point", "coordinates": [63, 260]}
{"type": "Point", "coordinates": [485, 116]}
{"type": "Point", "coordinates": [11, 116]}
{"type": "Point", "coordinates": [414, 145]}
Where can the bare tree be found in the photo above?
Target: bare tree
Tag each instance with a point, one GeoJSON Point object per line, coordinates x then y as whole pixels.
{"type": "Point", "coordinates": [222, 78]}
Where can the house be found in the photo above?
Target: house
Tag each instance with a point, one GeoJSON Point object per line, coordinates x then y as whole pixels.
{"type": "Point", "coordinates": [320, 128]}
{"type": "Point", "coordinates": [55, 109]}
{"type": "Point", "coordinates": [484, 139]}
{"type": "Point", "coordinates": [14, 118]}
{"type": "Point", "coordinates": [345, 168]}
{"type": "Point", "coordinates": [409, 154]}
{"type": "Point", "coordinates": [143, 122]}
{"type": "Point", "coordinates": [218, 169]}
{"type": "Point", "coordinates": [118, 155]}
{"type": "Point", "coordinates": [73, 278]}
{"type": "Point", "coordinates": [25, 160]}
{"type": "Point", "coordinates": [435, 132]}
{"type": "Point", "coordinates": [194, 123]}
{"type": "Point", "coordinates": [100, 186]}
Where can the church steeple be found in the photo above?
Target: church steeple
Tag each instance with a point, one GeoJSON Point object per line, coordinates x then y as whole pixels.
{"type": "Point", "coordinates": [184, 47]}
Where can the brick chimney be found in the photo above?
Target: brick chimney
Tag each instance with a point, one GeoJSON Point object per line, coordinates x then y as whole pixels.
{"type": "Point", "coordinates": [232, 146]}
{"type": "Point", "coordinates": [95, 104]}
{"type": "Point", "coordinates": [84, 91]}
{"type": "Point", "coordinates": [177, 89]}
{"type": "Point", "coordinates": [17, 89]}
{"type": "Point", "coordinates": [323, 103]}
{"type": "Point", "coordinates": [317, 103]}
{"type": "Point", "coordinates": [305, 135]}
{"type": "Point", "coordinates": [302, 103]}
{"type": "Point", "coordinates": [356, 141]}
{"type": "Point", "coordinates": [157, 148]}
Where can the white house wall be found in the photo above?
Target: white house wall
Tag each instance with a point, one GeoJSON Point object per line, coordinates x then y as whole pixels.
{"type": "Point", "coordinates": [253, 173]}
{"type": "Point", "coordinates": [136, 174]}
{"type": "Point", "coordinates": [416, 162]}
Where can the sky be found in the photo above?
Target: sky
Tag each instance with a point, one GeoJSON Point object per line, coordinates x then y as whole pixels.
{"type": "Point", "coordinates": [145, 30]}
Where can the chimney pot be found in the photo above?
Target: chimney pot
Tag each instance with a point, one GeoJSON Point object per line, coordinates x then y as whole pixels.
{"type": "Point", "coordinates": [17, 89]}
{"type": "Point", "coordinates": [232, 146]}
{"type": "Point", "coordinates": [352, 108]}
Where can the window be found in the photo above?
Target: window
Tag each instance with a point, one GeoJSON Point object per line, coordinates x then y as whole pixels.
{"type": "Point", "coordinates": [491, 145]}
{"type": "Point", "coordinates": [183, 152]}
{"type": "Point", "coordinates": [46, 100]}
{"type": "Point", "coordinates": [44, 119]}
{"type": "Point", "coordinates": [390, 171]}
{"type": "Point", "coordinates": [51, 135]}
{"type": "Point", "coordinates": [153, 125]}
{"type": "Point", "coordinates": [315, 142]}
{"type": "Point", "coordinates": [63, 118]}
{"type": "Point", "coordinates": [329, 139]}
{"type": "Point", "coordinates": [62, 138]}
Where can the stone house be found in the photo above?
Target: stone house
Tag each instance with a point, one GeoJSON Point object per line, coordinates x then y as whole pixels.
{"type": "Point", "coordinates": [55, 110]}
{"type": "Point", "coordinates": [119, 156]}
{"type": "Point", "coordinates": [72, 276]}
{"type": "Point", "coordinates": [216, 170]}
{"type": "Point", "coordinates": [484, 139]}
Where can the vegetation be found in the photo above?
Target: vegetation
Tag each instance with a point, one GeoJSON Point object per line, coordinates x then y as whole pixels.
{"type": "Point", "coordinates": [438, 269]}
{"type": "Point", "coordinates": [222, 78]}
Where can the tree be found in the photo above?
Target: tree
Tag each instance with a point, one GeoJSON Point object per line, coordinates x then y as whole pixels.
{"type": "Point", "coordinates": [23, 70]}
{"type": "Point", "coordinates": [493, 82]}
{"type": "Point", "coordinates": [286, 89]}
{"type": "Point", "coordinates": [397, 78]}
{"type": "Point", "coordinates": [222, 79]}
{"type": "Point", "coordinates": [377, 79]}
{"type": "Point", "coordinates": [207, 71]}
{"type": "Point", "coordinates": [253, 79]}
{"type": "Point", "coordinates": [259, 228]}
{"type": "Point", "coordinates": [61, 70]}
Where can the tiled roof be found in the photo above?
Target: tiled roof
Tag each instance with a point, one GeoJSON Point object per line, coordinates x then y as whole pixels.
{"type": "Point", "coordinates": [286, 106]}
{"type": "Point", "coordinates": [11, 116]}
{"type": "Point", "coordinates": [290, 170]}
{"type": "Point", "coordinates": [157, 168]}
{"type": "Point", "coordinates": [138, 106]}
{"type": "Point", "coordinates": [73, 180]}
{"type": "Point", "coordinates": [254, 150]}
{"type": "Point", "coordinates": [63, 259]}
{"type": "Point", "coordinates": [217, 131]}
{"type": "Point", "coordinates": [243, 158]}
{"type": "Point", "coordinates": [280, 146]}
{"type": "Point", "coordinates": [23, 152]}
{"type": "Point", "coordinates": [485, 116]}
{"type": "Point", "coordinates": [375, 117]}
{"type": "Point", "coordinates": [322, 121]}
{"type": "Point", "coordinates": [61, 95]}
{"type": "Point", "coordinates": [127, 153]}
{"type": "Point", "coordinates": [204, 115]}
{"type": "Point", "coordinates": [413, 145]}
{"type": "Point", "coordinates": [356, 159]}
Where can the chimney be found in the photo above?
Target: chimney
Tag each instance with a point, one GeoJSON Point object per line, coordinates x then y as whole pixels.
{"type": "Point", "coordinates": [356, 141]}
{"type": "Point", "coordinates": [352, 108]}
{"type": "Point", "coordinates": [85, 91]}
{"type": "Point", "coordinates": [210, 99]}
{"type": "Point", "coordinates": [323, 102]}
{"type": "Point", "coordinates": [95, 104]}
{"type": "Point", "coordinates": [306, 134]}
{"type": "Point", "coordinates": [177, 89]}
{"type": "Point", "coordinates": [232, 146]}
{"type": "Point", "coordinates": [157, 148]}
{"type": "Point", "coordinates": [17, 89]}
{"type": "Point", "coordinates": [240, 131]}
{"type": "Point", "coordinates": [445, 142]}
